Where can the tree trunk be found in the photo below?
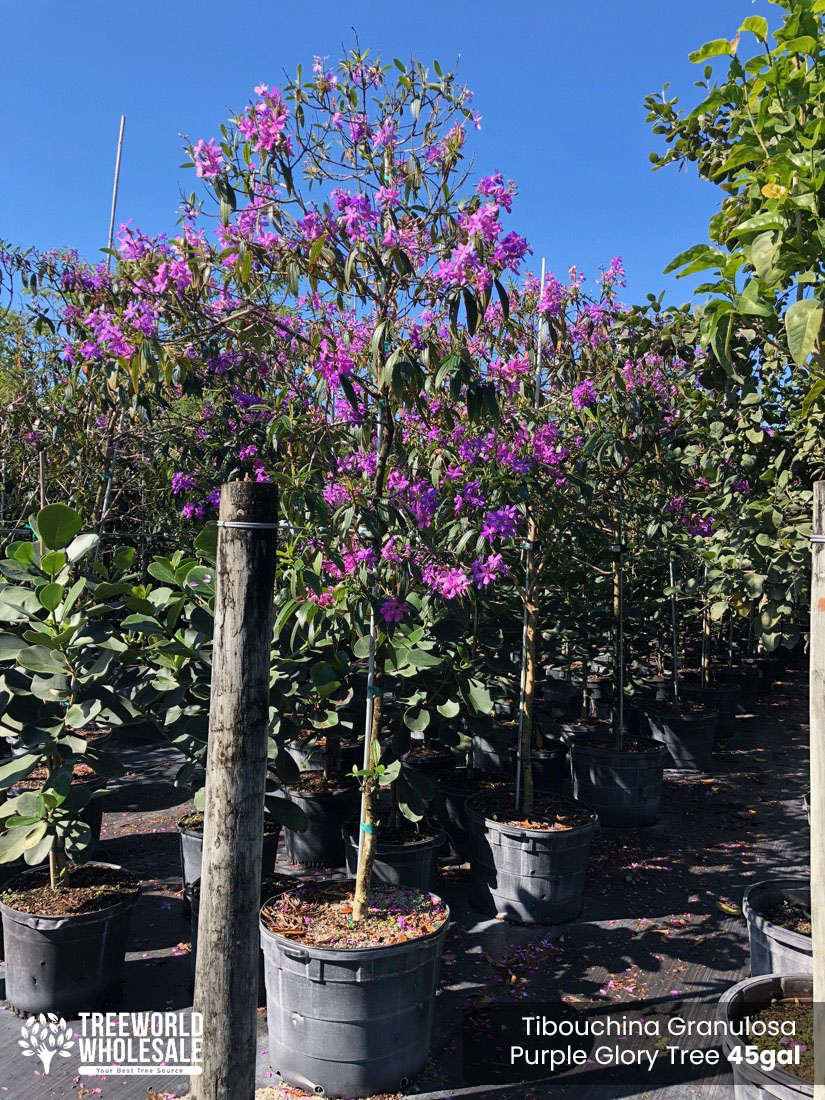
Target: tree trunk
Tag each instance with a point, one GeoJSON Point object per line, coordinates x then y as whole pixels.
{"type": "Point", "coordinates": [527, 703]}
{"type": "Point", "coordinates": [226, 974]}
{"type": "Point", "coordinates": [817, 796]}
{"type": "Point", "coordinates": [363, 878]}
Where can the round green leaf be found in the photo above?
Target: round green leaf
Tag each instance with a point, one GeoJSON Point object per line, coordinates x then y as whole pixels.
{"type": "Point", "coordinates": [57, 525]}
{"type": "Point", "coordinates": [50, 595]}
{"type": "Point", "coordinates": [53, 562]}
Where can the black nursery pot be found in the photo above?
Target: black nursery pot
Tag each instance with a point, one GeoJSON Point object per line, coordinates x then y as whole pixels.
{"type": "Point", "coordinates": [753, 1081]}
{"type": "Point", "coordinates": [191, 855]}
{"type": "Point", "coordinates": [430, 763]}
{"type": "Point", "coordinates": [549, 767]}
{"type": "Point", "coordinates": [312, 758]}
{"type": "Point", "coordinates": [528, 876]}
{"type": "Point", "coordinates": [624, 788]}
{"type": "Point", "coordinates": [687, 737]}
{"type": "Point", "coordinates": [64, 964]}
{"type": "Point", "coordinates": [350, 1022]}
{"type": "Point", "coordinates": [411, 865]}
{"type": "Point", "coordinates": [322, 843]}
{"type": "Point", "coordinates": [774, 949]}
{"type": "Point", "coordinates": [722, 697]}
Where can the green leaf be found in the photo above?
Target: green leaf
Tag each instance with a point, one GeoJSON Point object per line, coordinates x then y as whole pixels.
{"type": "Point", "coordinates": [17, 769]}
{"type": "Point", "coordinates": [53, 562]}
{"type": "Point", "coordinates": [419, 658]}
{"type": "Point", "coordinates": [803, 321]}
{"type": "Point", "coordinates": [79, 547]}
{"type": "Point", "coordinates": [80, 714]}
{"type": "Point", "coordinates": [417, 721]}
{"type": "Point", "coordinates": [38, 658]}
{"type": "Point", "coordinates": [449, 709]}
{"type": "Point", "coordinates": [286, 813]}
{"type": "Point", "coordinates": [757, 25]}
{"type": "Point", "coordinates": [57, 525]}
{"type": "Point", "coordinates": [716, 48]}
{"type": "Point", "coordinates": [50, 595]}
{"type": "Point", "coordinates": [718, 609]}
{"type": "Point", "coordinates": [10, 646]}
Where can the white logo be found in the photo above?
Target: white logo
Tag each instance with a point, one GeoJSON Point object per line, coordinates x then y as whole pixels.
{"type": "Point", "coordinates": [45, 1036]}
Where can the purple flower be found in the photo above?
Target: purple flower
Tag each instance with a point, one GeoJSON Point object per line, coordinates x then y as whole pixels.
{"type": "Point", "coordinates": [393, 610]}
{"type": "Point", "coordinates": [502, 521]}
{"type": "Point", "coordinates": [584, 395]}
{"type": "Point", "coordinates": [182, 482]}
{"type": "Point", "coordinates": [208, 159]}
{"type": "Point", "coordinates": [485, 570]}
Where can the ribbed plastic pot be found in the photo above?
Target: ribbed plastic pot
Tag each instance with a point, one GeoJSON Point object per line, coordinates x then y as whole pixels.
{"type": "Point", "coordinates": [490, 755]}
{"type": "Point", "coordinates": [529, 876]}
{"type": "Point", "coordinates": [350, 1023]}
{"type": "Point", "coordinates": [450, 809]}
{"type": "Point", "coordinates": [746, 679]}
{"type": "Point", "coordinates": [193, 901]}
{"type": "Point", "coordinates": [806, 805]}
{"type": "Point", "coordinates": [624, 788]}
{"type": "Point", "coordinates": [65, 964]}
{"type": "Point", "coordinates": [410, 865]}
{"type": "Point", "coordinates": [322, 844]}
{"type": "Point", "coordinates": [311, 758]}
{"type": "Point", "coordinates": [752, 1082]}
{"type": "Point", "coordinates": [430, 764]}
{"type": "Point", "coordinates": [721, 697]}
{"type": "Point", "coordinates": [777, 950]}
{"type": "Point", "coordinates": [191, 856]}
{"type": "Point", "coordinates": [661, 690]}
{"type": "Point", "coordinates": [687, 737]}
{"type": "Point", "coordinates": [549, 767]}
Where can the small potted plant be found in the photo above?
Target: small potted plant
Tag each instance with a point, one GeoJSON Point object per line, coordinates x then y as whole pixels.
{"type": "Point", "coordinates": [65, 923]}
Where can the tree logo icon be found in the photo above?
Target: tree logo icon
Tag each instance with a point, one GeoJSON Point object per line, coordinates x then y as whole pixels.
{"type": "Point", "coordinates": [45, 1036]}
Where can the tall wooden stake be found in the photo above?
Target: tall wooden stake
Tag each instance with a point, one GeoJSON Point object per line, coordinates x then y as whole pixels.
{"type": "Point", "coordinates": [226, 972]}
{"type": "Point", "coordinates": [817, 720]}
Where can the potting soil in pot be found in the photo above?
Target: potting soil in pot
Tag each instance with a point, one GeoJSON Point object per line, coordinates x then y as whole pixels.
{"type": "Point", "coordinates": [88, 890]}
{"type": "Point", "coordinates": [802, 1040]}
{"type": "Point", "coordinates": [321, 916]}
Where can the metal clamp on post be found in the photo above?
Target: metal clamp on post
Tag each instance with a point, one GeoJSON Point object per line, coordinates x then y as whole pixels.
{"type": "Point", "coordinates": [238, 525]}
{"type": "Point", "coordinates": [618, 548]}
{"type": "Point", "coordinates": [818, 539]}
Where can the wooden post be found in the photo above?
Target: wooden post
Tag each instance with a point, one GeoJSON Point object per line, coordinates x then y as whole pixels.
{"type": "Point", "coordinates": [226, 972]}
{"type": "Point", "coordinates": [817, 720]}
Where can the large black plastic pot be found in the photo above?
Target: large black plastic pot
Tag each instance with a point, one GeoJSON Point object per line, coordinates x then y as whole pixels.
{"type": "Point", "coordinates": [777, 950]}
{"type": "Point", "coordinates": [311, 757]}
{"type": "Point", "coordinates": [687, 737]}
{"type": "Point", "coordinates": [410, 865]}
{"type": "Point", "coordinates": [430, 763]}
{"type": "Point", "coordinates": [529, 876]}
{"type": "Point", "coordinates": [191, 855]}
{"type": "Point", "coordinates": [744, 677]}
{"type": "Point", "coordinates": [492, 754]}
{"type": "Point", "coordinates": [350, 1022]}
{"type": "Point", "coordinates": [624, 788]}
{"type": "Point", "coordinates": [549, 767]}
{"type": "Point", "coordinates": [450, 809]}
{"type": "Point", "coordinates": [322, 844]}
{"type": "Point", "coordinates": [721, 697]}
{"type": "Point", "coordinates": [806, 806]}
{"type": "Point", "coordinates": [753, 1082]}
{"type": "Point", "coordinates": [65, 964]}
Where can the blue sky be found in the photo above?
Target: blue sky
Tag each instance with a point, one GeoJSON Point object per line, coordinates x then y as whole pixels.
{"type": "Point", "coordinates": [560, 86]}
